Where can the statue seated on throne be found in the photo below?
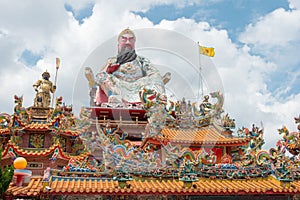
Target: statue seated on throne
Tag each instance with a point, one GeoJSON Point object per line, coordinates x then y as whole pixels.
{"type": "Point", "coordinates": [123, 76]}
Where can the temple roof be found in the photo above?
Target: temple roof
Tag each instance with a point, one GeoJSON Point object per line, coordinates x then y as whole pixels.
{"type": "Point", "coordinates": [37, 126]}
{"type": "Point", "coordinates": [32, 189]}
{"type": "Point", "coordinates": [41, 152]}
{"type": "Point", "coordinates": [4, 131]}
{"type": "Point", "coordinates": [207, 135]}
{"type": "Point", "coordinates": [71, 185]}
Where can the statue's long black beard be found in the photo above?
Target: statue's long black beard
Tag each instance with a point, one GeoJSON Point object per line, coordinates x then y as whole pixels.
{"type": "Point", "coordinates": [126, 55]}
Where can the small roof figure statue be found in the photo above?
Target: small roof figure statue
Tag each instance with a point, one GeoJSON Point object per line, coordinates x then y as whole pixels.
{"type": "Point", "coordinates": [43, 87]}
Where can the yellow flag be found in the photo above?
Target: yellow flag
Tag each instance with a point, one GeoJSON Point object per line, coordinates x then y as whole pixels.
{"type": "Point", "coordinates": [57, 63]}
{"type": "Point", "coordinates": [208, 51]}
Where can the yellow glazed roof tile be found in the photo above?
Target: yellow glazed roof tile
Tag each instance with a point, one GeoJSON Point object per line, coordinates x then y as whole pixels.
{"type": "Point", "coordinates": [206, 135]}
{"type": "Point", "coordinates": [69, 185]}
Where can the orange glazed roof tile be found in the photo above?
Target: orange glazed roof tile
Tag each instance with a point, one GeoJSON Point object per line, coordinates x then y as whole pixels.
{"type": "Point", "coordinates": [37, 126]}
{"type": "Point", "coordinates": [80, 185]}
{"type": "Point", "coordinates": [40, 126]}
{"type": "Point", "coordinates": [70, 132]}
{"type": "Point", "coordinates": [43, 152]}
{"type": "Point", "coordinates": [32, 189]}
{"type": "Point", "coordinates": [206, 135]}
{"type": "Point", "coordinates": [4, 131]}
{"type": "Point", "coordinates": [28, 152]}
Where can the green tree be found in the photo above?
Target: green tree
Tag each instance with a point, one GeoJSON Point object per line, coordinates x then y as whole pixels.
{"type": "Point", "coordinates": [5, 177]}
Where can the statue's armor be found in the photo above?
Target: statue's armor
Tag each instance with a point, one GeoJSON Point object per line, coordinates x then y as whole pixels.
{"type": "Point", "coordinates": [125, 83]}
{"type": "Point", "coordinates": [43, 97]}
{"type": "Point", "coordinates": [130, 71]}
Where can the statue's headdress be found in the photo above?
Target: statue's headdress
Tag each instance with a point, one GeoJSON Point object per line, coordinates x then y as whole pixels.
{"type": "Point", "coordinates": [206, 97]}
{"type": "Point", "coordinates": [46, 74]}
{"type": "Point", "coordinates": [127, 30]}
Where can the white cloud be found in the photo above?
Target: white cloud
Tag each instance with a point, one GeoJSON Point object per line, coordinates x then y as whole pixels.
{"type": "Point", "coordinates": [277, 37]}
{"type": "Point", "coordinates": [278, 28]}
{"type": "Point", "coordinates": [294, 4]}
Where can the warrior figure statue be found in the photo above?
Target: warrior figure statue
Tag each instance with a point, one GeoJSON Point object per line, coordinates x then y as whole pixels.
{"type": "Point", "coordinates": [43, 88]}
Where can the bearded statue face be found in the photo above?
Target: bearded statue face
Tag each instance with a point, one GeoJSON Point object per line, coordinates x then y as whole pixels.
{"type": "Point", "coordinates": [126, 43]}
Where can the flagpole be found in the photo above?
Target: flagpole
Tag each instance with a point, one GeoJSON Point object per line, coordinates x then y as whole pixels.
{"type": "Point", "coordinates": [57, 67]}
{"type": "Point", "coordinates": [200, 83]}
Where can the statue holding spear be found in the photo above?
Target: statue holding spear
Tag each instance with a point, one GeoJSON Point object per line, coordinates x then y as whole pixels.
{"type": "Point", "coordinates": [43, 88]}
{"type": "Point", "coordinates": [57, 67]}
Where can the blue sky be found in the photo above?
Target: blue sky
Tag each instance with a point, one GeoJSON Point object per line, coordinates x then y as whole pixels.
{"type": "Point", "coordinates": [232, 15]}
{"type": "Point", "coordinates": [81, 14]}
{"type": "Point", "coordinates": [256, 44]}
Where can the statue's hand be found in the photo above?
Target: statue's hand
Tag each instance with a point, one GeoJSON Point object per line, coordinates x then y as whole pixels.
{"type": "Point", "coordinates": [112, 68]}
{"type": "Point", "coordinates": [100, 77]}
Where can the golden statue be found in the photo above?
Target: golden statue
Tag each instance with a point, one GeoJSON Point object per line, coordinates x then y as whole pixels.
{"type": "Point", "coordinates": [43, 88]}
